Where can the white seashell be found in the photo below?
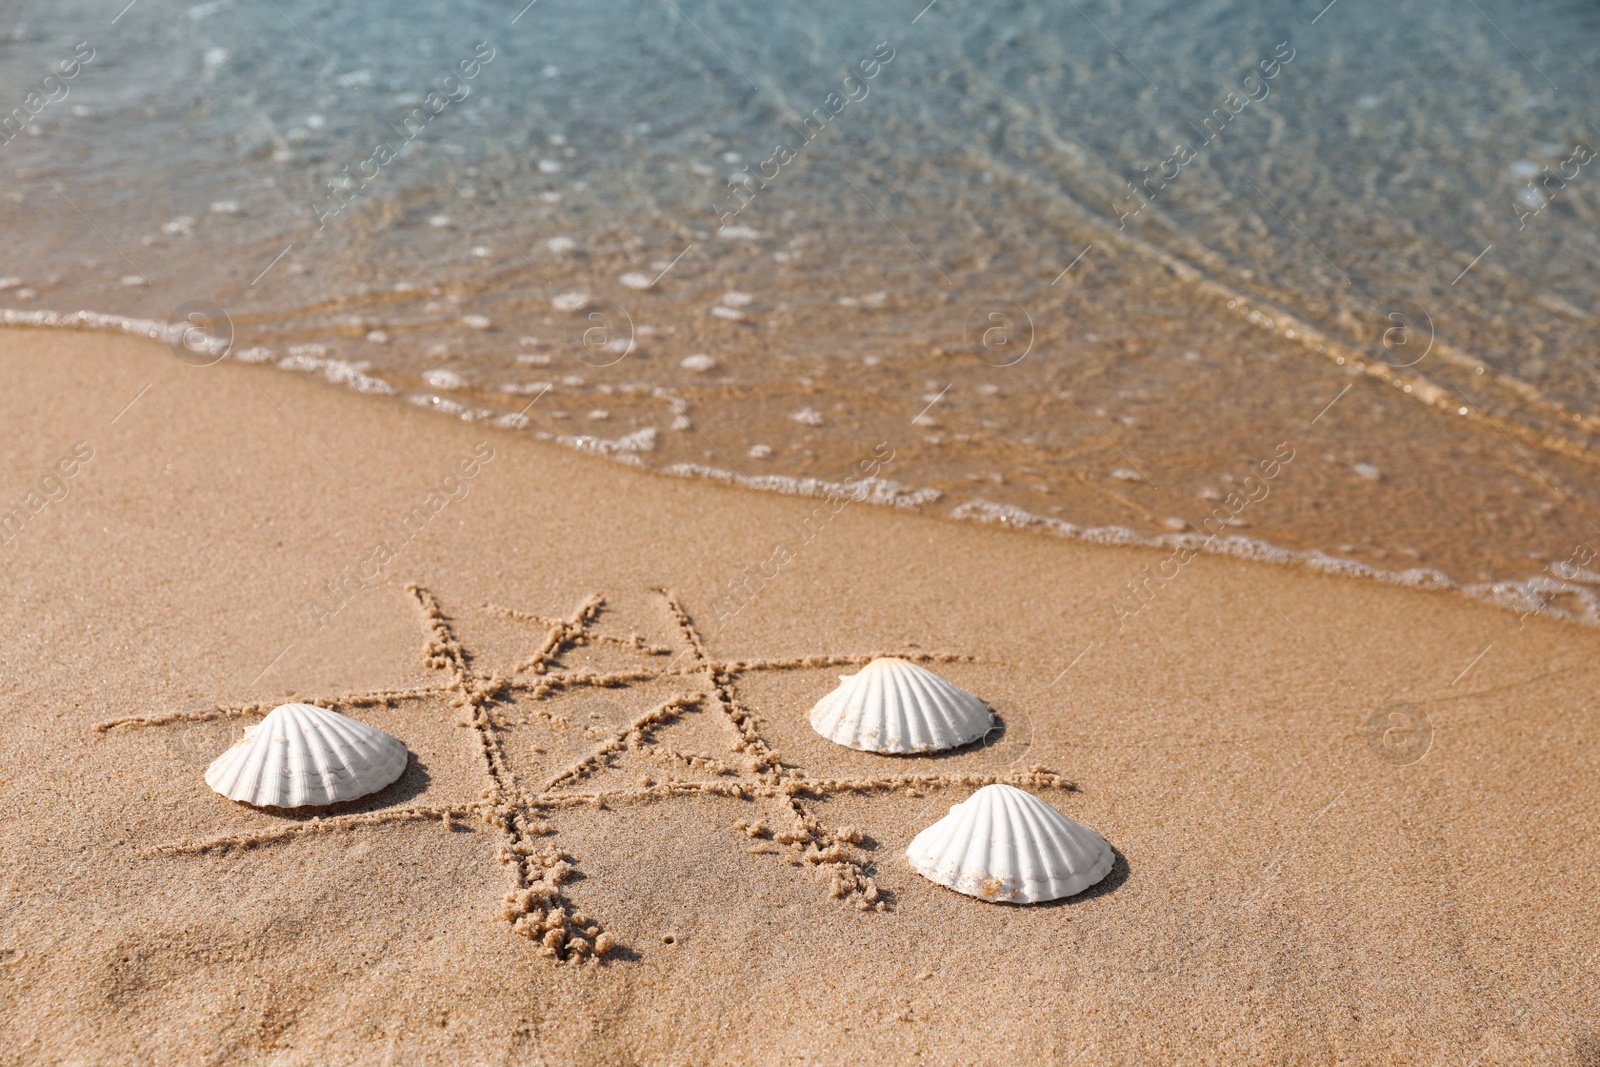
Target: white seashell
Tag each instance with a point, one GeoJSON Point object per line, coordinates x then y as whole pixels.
{"type": "Point", "coordinates": [894, 706]}
{"type": "Point", "coordinates": [302, 755]}
{"type": "Point", "coordinates": [1007, 846]}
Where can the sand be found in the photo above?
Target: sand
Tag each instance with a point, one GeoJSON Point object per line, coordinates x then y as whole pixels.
{"type": "Point", "coordinates": [1294, 885]}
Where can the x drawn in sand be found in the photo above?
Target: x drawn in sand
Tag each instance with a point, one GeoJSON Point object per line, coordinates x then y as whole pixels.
{"type": "Point", "coordinates": [519, 810]}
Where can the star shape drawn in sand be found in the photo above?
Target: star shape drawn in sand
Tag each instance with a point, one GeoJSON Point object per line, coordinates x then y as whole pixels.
{"type": "Point", "coordinates": [519, 811]}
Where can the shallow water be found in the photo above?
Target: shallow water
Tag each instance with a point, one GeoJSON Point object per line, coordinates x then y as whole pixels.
{"type": "Point", "coordinates": [1369, 243]}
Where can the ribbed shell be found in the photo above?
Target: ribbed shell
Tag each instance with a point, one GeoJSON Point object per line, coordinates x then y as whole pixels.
{"type": "Point", "coordinates": [896, 707]}
{"type": "Point", "coordinates": [301, 755]}
{"type": "Point", "coordinates": [1004, 845]}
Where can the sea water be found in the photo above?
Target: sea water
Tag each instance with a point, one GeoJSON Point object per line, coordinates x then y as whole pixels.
{"type": "Point", "coordinates": [1082, 268]}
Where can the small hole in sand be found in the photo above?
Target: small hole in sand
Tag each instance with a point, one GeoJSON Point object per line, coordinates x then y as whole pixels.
{"type": "Point", "coordinates": [669, 939]}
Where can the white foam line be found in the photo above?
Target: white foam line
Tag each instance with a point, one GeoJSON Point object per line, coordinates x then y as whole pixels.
{"type": "Point", "coordinates": [166, 332]}
{"type": "Point", "coordinates": [91, 320]}
{"type": "Point", "coordinates": [1530, 595]}
{"type": "Point", "coordinates": [865, 491]}
{"type": "Point", "coordinates": [624, 449]}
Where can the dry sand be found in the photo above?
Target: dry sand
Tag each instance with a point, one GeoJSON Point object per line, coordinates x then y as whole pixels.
{"type": "Point", "coordinates": [1285, 894]}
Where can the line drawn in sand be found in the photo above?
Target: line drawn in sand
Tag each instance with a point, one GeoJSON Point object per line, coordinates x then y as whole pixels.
{"type": "Point", "coordinates": [537, 906]}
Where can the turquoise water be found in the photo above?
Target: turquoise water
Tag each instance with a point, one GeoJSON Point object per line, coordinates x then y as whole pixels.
{"type": "Point", "coordinates": [1080, 265]}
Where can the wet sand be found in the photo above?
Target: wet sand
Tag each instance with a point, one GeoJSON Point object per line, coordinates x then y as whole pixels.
{"type": "Point", "coordinates": [1353, 819]}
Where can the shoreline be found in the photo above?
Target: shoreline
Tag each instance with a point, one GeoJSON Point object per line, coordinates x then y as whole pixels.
{"type": "Point", "coordinates": [1541, 594]}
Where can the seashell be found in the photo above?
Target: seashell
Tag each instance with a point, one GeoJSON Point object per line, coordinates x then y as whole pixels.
{"type": "Point", "coordinates": [302, 755]}
{"type": "Point", "coordinates": [1007, 846]}
{"type": "Point", "coordinates": [894, 706]}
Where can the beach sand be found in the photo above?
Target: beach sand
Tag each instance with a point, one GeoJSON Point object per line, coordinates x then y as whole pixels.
{"type": "Point", "coordinates": [1290, 890]}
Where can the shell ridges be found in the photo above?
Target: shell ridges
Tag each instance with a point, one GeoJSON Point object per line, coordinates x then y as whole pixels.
{"type": "Point", "coordinates": [301, 755]}
{"type": "Point", "coordinates": [894, 706]}
{"type": "Point", "coordinates": [1005, 845]}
